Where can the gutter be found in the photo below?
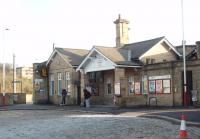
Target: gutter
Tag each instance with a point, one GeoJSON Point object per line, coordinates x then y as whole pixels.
{"type": "Point", "coordinates": [128, 66]}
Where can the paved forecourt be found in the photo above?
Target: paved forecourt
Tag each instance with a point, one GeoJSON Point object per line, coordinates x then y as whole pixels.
{"type": "Point", "coordinates": [61, 124]}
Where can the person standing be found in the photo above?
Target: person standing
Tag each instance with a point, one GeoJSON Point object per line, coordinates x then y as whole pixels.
{"type": "Point", "coordinates": [64, 94]}
{"type": "Point", "coordinates": [87, 96]}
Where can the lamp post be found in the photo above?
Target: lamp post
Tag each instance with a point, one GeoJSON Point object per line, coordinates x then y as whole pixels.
{"type": "Point", "coordinates": [4, 74]}
{"type": "Point", "coordinates": [14, 74]}
{"type": "Point", "coordinates": [184, 63]}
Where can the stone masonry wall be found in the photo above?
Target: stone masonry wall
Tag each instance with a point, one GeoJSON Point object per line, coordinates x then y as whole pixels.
{"type": "Point", "coordinates": [58, 65]}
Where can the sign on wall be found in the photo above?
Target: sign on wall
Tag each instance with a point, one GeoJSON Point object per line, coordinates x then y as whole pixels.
{"type": "Point", "coordinates": [145, 84]}
{"type": "Point", "coordinates": [166, 86]}
{"type": "Point", "coordinates": [159, 86]}
{"type": "Point", "coordinates": [117, 88]}
{"type": "Point", "coordinates": [137, 87]}
{"type": "Point", "coordinates": [152, 86]}
{"type": "Point", "coordinates": [159, 77]}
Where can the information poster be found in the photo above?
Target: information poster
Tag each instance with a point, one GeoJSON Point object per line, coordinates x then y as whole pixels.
{"type": "Point", "coordinates": [166, 86]}
{"type": "Point", "coordinates": [159, 86]}
{"type": "Point", "coordinates": [117, 88]}
{"type": "Point", "coordinates": [152, 86]}
{"type": "Point", "coordinates": [145, 83]}
{"type": "Point", "coordinates": [131, 87]}
{"type": "Point", "coordinates": [137, 87]}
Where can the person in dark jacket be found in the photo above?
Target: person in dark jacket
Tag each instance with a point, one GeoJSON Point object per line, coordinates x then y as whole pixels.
{"type": "Point", "coordinates": [87, 96]}
{"type": "Point", "coordinates": [64, 94]}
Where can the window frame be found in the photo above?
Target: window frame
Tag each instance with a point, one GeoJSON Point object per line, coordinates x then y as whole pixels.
{"type": "Point", "coordinates": [59, 83]}
{"type": "Point", "coordinates": [131, 84]}
{"type": "Point", "coordinates": [162, 84]}
{"type": "Point", "coordinates": [67, 81]}
{"type": "Point", "coordinates": [52, 84]}
{"type": "Point", "coordinates": [109, 82]}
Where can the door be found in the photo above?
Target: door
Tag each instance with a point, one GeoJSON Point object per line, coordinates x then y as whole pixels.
{"type": "Point", "coordinates": [189, 88]}
{"type": "Point", "coordinates": [78, 95]}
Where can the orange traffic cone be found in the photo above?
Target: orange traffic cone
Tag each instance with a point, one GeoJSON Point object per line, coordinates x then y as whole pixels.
{"type": "Point", "coordinates": [183, 132]}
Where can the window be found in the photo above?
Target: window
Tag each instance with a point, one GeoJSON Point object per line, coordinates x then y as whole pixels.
{"type": "Point", "coordinates": [147, 61]}
{"type": "Point", "coordinates": [144, 84]}
{"type": "Point", "coordinates": [159, 86]}
{"type": "Point", "coordinates": [131, 85]}
{"type": "Point", "coordinates": [152, 86]}
{"type": "Point", "coordinates": [150, 61]}
{"type": "Point", "coordinates": [166, 86]}
{"type": "Point", "coordinates": [59, 83]}
{"type": "Point", "coordinates": [67, 81]}
{"type": "Point", "coordinates": [51, 84]}
{"type": "Point", "coordinates": [153, 61]}
{"type": "Point", "coordinates": [109, 86]}
{"type": "Point", "coordinates": [92, 75]}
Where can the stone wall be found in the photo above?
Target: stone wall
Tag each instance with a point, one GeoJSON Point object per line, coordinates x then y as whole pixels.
{"type": "Point", "coordinates": [59, 65]}
{"type": "Point", "coordinates": [10, 99]}
{"type": "Point", "coordinates": [40, 85]}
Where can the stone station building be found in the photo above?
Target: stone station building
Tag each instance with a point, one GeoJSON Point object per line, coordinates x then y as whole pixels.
{"type": "Point", "coordinates": [130, 74]}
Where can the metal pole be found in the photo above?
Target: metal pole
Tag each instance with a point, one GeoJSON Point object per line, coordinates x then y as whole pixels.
{"type": "Point", "coordinates": [14, 75]}
{"type": "Point", "coordinates": [184, 63]}
{"type": "Point", "coordinates": [21, 86]}
{"type": "Point", "coordinates": [4, 66]}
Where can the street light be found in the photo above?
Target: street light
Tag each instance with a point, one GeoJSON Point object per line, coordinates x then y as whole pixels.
{"type": "Point", "coordinates": [184, 63]}
{"type": "Point", "coordinates": [4, 74]}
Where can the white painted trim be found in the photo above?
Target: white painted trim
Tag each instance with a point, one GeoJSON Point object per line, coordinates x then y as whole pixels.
{"type": "Point", "coordinates": [99, 70]}
{"type": "Point", "coordinates": [52, 55]}
{"type": "Point", "coordinates": [128, 66]}
{"type": "Point", "coordinates": [159, 77]}
{"type": "Point", "coordinates": [64, 59]}
{"type": "Point", "coordinates": [88, 56]}
{"type": "Point", "coordinates": [168, 43]}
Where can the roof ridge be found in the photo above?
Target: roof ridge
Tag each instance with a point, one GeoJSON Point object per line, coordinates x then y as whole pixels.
{"type": "Point", "coordinates": [185, 45]}
{"type": "Point", "coordinates": [145, 40]}
{"type": "Point", "coordinates": [71, 48]}
{"type": "Point", "coordinates": [103, 46]}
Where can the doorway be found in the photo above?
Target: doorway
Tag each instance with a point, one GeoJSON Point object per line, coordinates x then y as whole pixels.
{"type": "Point", "coordinates": [78, 95]}
{"type": "Point", "coordinates": [189, 84]}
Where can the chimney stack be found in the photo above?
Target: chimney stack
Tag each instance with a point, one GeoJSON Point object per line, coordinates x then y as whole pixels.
{"type": "Point", "coordinates": [121, 31]}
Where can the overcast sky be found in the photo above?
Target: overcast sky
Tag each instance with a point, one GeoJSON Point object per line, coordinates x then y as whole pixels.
{"type": "Point", "coordinates": [36, 24]}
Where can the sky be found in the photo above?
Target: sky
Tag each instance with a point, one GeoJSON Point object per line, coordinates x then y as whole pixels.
{"type": "Point", "coordinates": [34, 25]}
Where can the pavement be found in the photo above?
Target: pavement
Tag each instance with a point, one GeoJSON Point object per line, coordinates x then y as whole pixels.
{"type": "Point", "coordinates": [171, 114]}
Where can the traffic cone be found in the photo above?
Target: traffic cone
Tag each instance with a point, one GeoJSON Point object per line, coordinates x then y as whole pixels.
{"type": "Point", "coordinates": [183, 132]}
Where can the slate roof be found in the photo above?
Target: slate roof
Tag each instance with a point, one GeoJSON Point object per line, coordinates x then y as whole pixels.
{"type": "Point", "coordinates": [188, 49]}
{"type": "Point", "coordinates": [73, 56]}
{"type": "Point", "coordinates": [118, 56]}
{"type": "Point", "coordinates": [140, 48]}
{"type": "Point", "coordinates": [111, 52]}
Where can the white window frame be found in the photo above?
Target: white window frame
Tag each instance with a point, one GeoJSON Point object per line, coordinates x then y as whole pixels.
{"type": "Point", "coordinates": [50, 84]}
{"type": "Point", "coordinates": [131, 83]}
{"type": "Point", "coordinates": [59, 78]}
{"type": "Point", "coordinates": [67, 81]}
